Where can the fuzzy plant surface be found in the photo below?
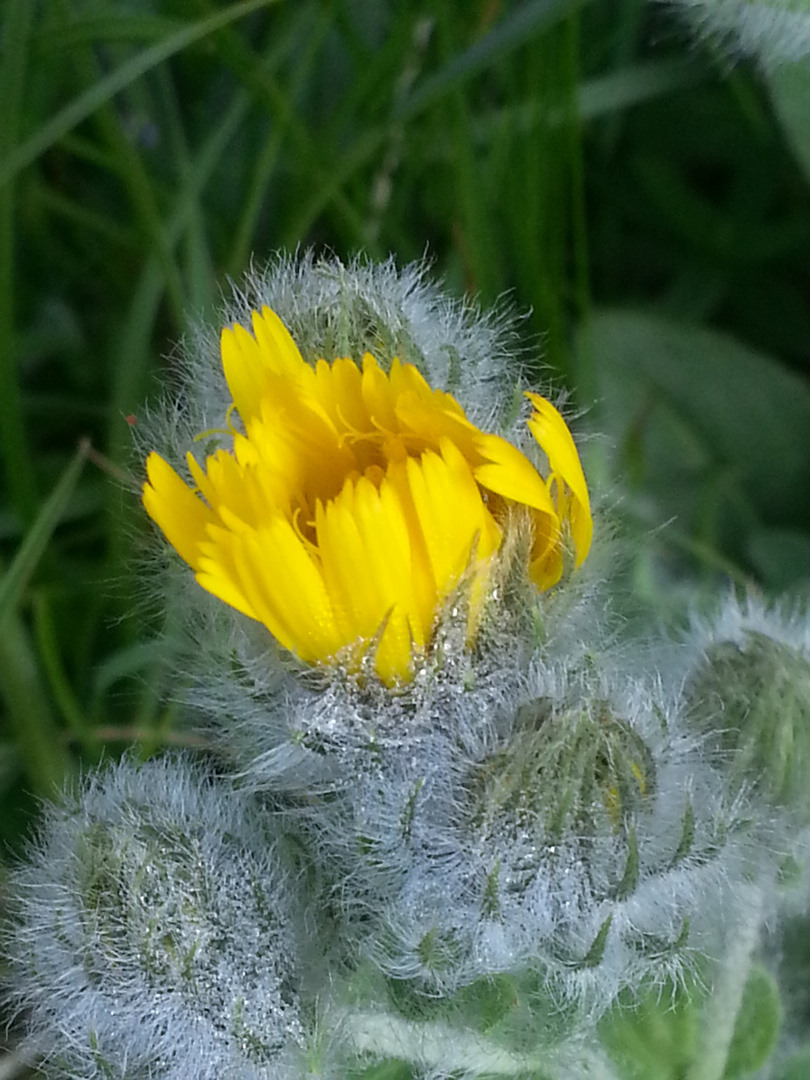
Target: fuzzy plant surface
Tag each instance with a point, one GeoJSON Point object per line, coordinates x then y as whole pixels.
{"type": "Point", "coordinates": [158, 930]}
{"type": "Point", "coordinates": [454, 819]}
{"type": "Point", "coordinates": [774, 32]}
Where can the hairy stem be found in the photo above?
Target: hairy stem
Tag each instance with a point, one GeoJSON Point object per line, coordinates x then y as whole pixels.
{"type": "Point", "coordinates": [723, 1005]}
{"type": "Point", "coordinates": [440, 1046]}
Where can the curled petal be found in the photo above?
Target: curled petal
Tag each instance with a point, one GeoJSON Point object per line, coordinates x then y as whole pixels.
{"type": "Point", "coordinates": [551, 432]}
{"type": "Point", "coordinates": [509, 473]}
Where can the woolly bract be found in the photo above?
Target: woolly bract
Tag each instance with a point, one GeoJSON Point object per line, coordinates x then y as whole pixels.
{"type": "Point", "coordinates": [355, 501]}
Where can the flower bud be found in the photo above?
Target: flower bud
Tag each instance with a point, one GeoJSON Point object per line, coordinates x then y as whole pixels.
{"type": "Point", "coordinates": [587, 843]}
{"type": "Point", "coordinates": [585, 771]}
{"type": "Point", "coordinates": [749, 694]}
{"type": "Point", "coordinates": [154, 932]}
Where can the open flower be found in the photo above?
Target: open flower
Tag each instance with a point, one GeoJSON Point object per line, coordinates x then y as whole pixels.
{"type": "Point", "coordinates": [356, 500]}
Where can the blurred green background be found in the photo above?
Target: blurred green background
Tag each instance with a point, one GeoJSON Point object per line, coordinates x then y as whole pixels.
{"type": "Point", "coordinates": [644, 199]}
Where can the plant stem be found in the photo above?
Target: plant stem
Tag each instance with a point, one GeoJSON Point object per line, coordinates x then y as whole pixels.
{"type": "Point", "coordinates": [440, 1046]}
{"type": "Point", "coordinates": [723, 1005]}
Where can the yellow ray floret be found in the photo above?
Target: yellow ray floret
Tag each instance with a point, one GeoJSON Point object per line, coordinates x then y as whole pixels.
{"type": "Point", "coordinates": [357, 500]}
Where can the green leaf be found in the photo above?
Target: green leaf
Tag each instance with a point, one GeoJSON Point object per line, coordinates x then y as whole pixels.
{"type": "Point", "coordinates": [630, 877]}
{"type": "Point", "coordinates": [655, 1039]}
{"type": "Point", "coordinates": [716, 433]}
{"type": "Point", "coordinates": [687, 833]}
{"type": "Point", "coordinates": [593, 958]}
{"type": "Point", "coordinates": [757, 1026]}
{"type": "Point", "coordinates": [797, 1066]}
{"type": "Point", "coordinates": [790, 92]}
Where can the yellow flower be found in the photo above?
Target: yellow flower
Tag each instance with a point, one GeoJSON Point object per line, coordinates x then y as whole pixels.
{"type": "Point", "coordinates": [356, 501]}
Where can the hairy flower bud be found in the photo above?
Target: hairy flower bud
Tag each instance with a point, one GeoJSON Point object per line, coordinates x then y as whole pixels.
{"type": "Point", "coordinates": [586, 841]}
{"type": "Point", "coordinates": [749, 693]}
{"type": "Point", "coordinates": [584, 771]}
{"type": "Point", "coordinates": [154, 932]}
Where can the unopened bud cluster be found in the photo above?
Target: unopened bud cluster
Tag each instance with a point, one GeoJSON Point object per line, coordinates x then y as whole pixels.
{"type": "Point", "coordinates": [533, 813]}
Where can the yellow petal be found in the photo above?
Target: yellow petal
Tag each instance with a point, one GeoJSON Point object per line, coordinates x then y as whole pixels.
{"type": "Point", "coordinates": [297, 440]}
{"type": "Point", "coordinates": [339, 389]}
{"type": "Point", "coordinates": [218, 572]}
{"type": "Point", "coordinates": [174, 507]}
{"type": "Point", "coordinates": [285, 587]}
{"type": "Point", "coordinates": [378, 397]}
{"type": "Point", "coordinates": [407, 380]}
{"type": "Point", "coordinates": [510, 474]}
{"type": "Point", "coordinates": [546, 560]}
{"type": "Point", "coordinates": [280, 353]}
{"type": "Point", "coordinates": [551, 432]}
{"type": "Point", "coordinates": [429, 419]}
{"type": "Point", "coordinates": [254, 366]}
{"type": "Point", "coordinates": [365, 547]}
{"type": "Point", "coordinates": [356, 501]}
{"type": "Point", "coordinates": [452, 515]}
{"type": "Point", "coordinates": [422, 578]}
{"type": "Point", "coordinates": [245, 370]}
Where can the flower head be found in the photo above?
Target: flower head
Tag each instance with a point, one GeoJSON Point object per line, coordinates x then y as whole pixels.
{"type": "Point", "coordinates": [356, 500]}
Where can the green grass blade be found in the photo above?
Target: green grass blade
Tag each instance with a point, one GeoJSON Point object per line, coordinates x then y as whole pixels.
{"type": "Point", "coordinates": [14, 448]}
{"type": "Point", "coordinates": [106, 28]}
{"type": "Point", "coordinates": [269, 154]}
{"type": "Point", "coordinates": [307, 150]}
{"type": "Point", "coordinates": [137, 659]}
{"type": "Point", "coordinates": [598, 98]}
{"type": "Point", "coordinates": [633, 85]}
{"type": "Point", "coordinates": [58, 682]}
{"type": "Point", "coordinates": [132, 350]}
{"type": "Point", "coordinates": [76, 213]}
{"type": "Point", "coordinates": [198, 262]}
{"type": "Point", "coordinates": [581, 377]}
{"type": "Point", "coordinates": [24, 563]}
{"type": "Point", "coordinates": [128, 383]}
{"type": "Point", "coordinates": [29, 710]}
{"type": "Point", "coordinates": [477, 241]}
{"type": "Point", "coordinates": [95, 96]}
{"type": "Point", "coordinates": [510, 33]}
{"type": "Point", "coordinates": [330, 189]}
